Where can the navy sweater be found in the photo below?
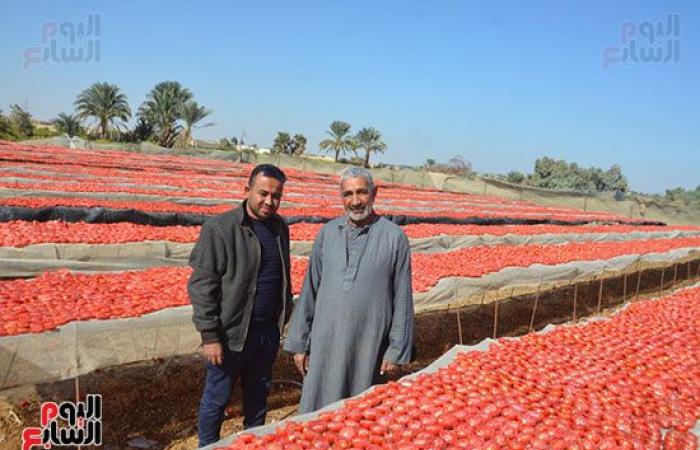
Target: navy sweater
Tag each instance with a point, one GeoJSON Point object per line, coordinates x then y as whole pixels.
{"type": "Point", "coordinates": [268, 296]}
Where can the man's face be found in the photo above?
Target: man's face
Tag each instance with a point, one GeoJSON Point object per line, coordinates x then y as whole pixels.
{"type": "Point", "coordinates": [357, 198]}
{"type": "Point", "coordinates": [264, 196]}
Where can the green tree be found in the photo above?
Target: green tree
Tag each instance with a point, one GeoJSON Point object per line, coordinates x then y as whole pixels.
{"type": "Point", "coordinates": [163, 108]}
{"type": "Point", "coordinates": [298, 145]}
{"type": "Point", "coordinates": [340, 139]}
{"type": "Point", "coordinates": [282, 143]}
{"type": "Point", "coordinates": [143, 130]}
{"type": "Point", "coordinates": [5, 128]}
{"type": "Point", "coordinates": [370, 140]}
{"type": "Point", "coordinates": [68, 124]}
{"type": "Point", "coordinates": [21, 121]}
{"type": "Point", "coordinates": [558, 174]}
{"type": "Point", "coordinates": [615, 180]}
{"type": "Point", "coordinates": [430, 162]}
{"type": "Point", "coordinates": [106, 104]}
{"type": "Point", "coordinates": [192, 114]}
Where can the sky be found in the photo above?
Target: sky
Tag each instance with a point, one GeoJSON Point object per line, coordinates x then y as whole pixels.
{"type": "Point", "coordinates": [499, 83]}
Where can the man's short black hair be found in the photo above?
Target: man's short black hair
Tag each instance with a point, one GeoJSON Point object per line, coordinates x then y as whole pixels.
{"type": "Point", "coordinates": [268, 170]}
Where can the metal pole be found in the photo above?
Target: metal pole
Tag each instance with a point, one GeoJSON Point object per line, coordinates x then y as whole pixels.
{"type": "Point", "coordinates": [600, 294]}
{"type": "Point", "coordinates": [575, 300]}
{"type": "Point", "coordinates": [661, 285]}
{"type": "Point", "coordinates": [624, 288]}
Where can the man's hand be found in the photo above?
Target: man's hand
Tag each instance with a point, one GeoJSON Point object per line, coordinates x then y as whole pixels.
{"type": "Point", "coordinates": [388, 368]}
{"type": "Point", "coordinates": [301, 360]}
{"type": "Point", "coordinates": [213, 353]}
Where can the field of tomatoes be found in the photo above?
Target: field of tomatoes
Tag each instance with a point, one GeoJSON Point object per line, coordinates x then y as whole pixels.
{"type": "Point", "coordinates": [631, 382]}
{"type": "Point", "coordinates": [18, 233]}
{"type": "Point", "coordinates": [53, 169]}
{"type": "Point", "coordinates": [55, 298]}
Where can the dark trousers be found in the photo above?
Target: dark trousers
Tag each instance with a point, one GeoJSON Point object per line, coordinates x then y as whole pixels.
{"type": "Point", "coordinates": [254, 367]}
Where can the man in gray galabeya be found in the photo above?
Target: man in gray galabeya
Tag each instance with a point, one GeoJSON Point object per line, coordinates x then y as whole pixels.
{"type": "Point", "coordinates": [354, 318]}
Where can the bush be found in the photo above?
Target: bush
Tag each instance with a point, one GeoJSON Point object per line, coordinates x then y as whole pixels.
{"type": "Point", "coordinates": [515, 177]}
{"type": "Point", "coordinates": [457, 165]}
{"type": "Point", "coordinates": [558, 174]}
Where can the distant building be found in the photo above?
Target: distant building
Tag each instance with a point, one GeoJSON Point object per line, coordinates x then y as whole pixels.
{"type": "Point", "coordinates": [318, 157]}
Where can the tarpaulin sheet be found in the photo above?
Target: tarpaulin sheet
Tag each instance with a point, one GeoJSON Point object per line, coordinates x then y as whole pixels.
{"type": "Point", "coordinates": [80, 347]}
{"type": "Point", "coordinates": [37, 258]}
{"type": "Point", "coordinates": [108, 215]}
{"type": "Point", "coordinates": [443, 361]}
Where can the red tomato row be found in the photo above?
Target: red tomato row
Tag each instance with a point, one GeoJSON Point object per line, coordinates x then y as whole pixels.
{"type": "Point", "coordinates": [222, 179]}
{"type": "Point", "coordinates": [475, 262]}
{"type": "Point", "coordinates": [629, 383]}
{"type": "Point", "coordinates": [332, 209]}
{"type": "Point", "coordinates": [21, 233]}
{"type": "Point", "coordinates": [56, 298]}
{"type": "Point", "coordinates": [323, 196]}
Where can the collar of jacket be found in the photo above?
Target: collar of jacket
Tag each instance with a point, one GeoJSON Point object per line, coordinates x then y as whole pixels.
{"type": "Point", "coordinates": [346, 222]}
{"type": "Point", "coordinates": [243, 219]}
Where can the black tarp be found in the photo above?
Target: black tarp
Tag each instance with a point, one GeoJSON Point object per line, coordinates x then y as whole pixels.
{"type": "Point", "coordinates": [108, 215]}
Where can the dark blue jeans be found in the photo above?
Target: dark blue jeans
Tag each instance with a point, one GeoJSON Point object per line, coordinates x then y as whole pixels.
{"type": "Point", "coordinates": [253, 365]}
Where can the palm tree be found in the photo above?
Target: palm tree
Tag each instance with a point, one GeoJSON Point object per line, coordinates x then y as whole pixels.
{"type": "Point", "coordinates": [282, 143]}
{"type": "Point", "coordinates": [21, 120]}
{"type": "Point", "coordinates": [298, 145]}
{"type": "Point", "coordinates": [340, 142]}
{"type": "Point", "coordinates": [105, 103]}
{"type": "Point", "coordinates": [163, 109]}
{"type": "Point", "coordinates": [192, 114]}
{"type": "Point", "coordinates": [68, 124]}
{"type": "Point", "coordinates": [370, 140]}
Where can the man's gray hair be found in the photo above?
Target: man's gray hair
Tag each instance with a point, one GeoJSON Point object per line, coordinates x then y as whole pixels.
{"type": "Point", "coordinates": [358, 172]}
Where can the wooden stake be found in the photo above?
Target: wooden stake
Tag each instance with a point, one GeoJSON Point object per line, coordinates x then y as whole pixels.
{"type": "Point", "coordinates": [534, 308]}
{"type": "Point", "coordinates": [624, 288]}
{"type": "Point", "coordinates": [77, 393]}
{"type": "Point", "coordinates": [459, 327]}
{"type": "Point", "coordinates": [675, 274]}
{"type": "Point", "coordinates": [639, 281]}
{"type": "Point", "coordinates": [661, 285]}
{"type": "Point", "coordinates": [495, 319]}
{"type": "Point", "coordinates": [575, 300]}
{"type": "Point", "coordinates": [600, 294]}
